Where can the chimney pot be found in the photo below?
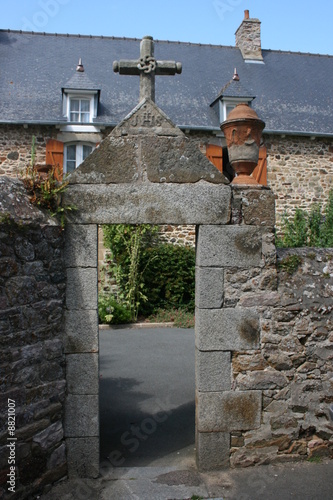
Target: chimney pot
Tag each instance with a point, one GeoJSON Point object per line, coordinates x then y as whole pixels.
{"type": "Point", "coordinates": [246, 14]}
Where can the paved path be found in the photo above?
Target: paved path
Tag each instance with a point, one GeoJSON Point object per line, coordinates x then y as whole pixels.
{"type": "Point", "coordinates": [147, 393]}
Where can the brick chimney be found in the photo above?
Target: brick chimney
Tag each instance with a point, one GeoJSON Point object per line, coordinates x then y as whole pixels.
{"type": "Point", "coordinates": [248, 38]}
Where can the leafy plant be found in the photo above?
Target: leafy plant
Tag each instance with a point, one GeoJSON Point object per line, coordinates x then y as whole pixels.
{"type": "Point", "coordinates": [45, 189]}
{"type": "Point", "coordinates": [110, 311]}
{"type": "Point", "coordinates": [150, 275]}
{"type": "Point", "coordinates": [169, 279]}
{"type": "Point", "coordinates": [128, 244]}
{"type": "Point", "coordinates": [308, 229]}
{"type": "Point", "coordinates": [290, 264]}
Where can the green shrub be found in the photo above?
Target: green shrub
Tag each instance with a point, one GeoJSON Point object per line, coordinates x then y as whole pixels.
{"type": "Point", "coordinates": [308, 229]}
{"type": "Point", "coordinates": [111, 311]}
{"type": "Point", "coordinates": [169, 278]}
{"type": "Point", "coordinates": [149, 274]}
{"type": "Point", "coordinates": [180, 317]}
{"type": "Point", "coordinates": [128, 244]}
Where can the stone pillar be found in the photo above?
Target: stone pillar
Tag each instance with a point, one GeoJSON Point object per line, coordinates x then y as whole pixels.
{"type": "Point", "coordinates": [81, 348]}
{"type": "Point", "coordinates": [223, 327]}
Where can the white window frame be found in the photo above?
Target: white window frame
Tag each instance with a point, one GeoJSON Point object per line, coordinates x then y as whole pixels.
{"type": "Point", "coordinates": [91, 96]}
{"type": "Point", "coordinates": [230, 101]}
{"type": "Point", "coordinates": [78, 153]}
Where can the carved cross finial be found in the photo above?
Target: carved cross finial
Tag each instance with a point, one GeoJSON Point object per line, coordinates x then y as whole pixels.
{"type": "Point", "coordinates": [147, 67]}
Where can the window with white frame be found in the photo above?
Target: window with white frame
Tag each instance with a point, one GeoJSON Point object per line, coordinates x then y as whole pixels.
{"type": "Point", "coordinates": [75, 154]}
{"type": "Point", "coordinates": [79, 110]}
{"type": "Point", "coordinates": [80, 106]}
{"type": "Point", "coordinates": [227, 104]}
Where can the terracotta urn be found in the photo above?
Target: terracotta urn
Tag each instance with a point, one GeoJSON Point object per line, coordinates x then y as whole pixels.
{"type": "Point", "coordinates": [242, 130]}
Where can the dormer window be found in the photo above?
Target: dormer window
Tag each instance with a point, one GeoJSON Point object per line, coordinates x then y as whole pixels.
{"type": "Point", "coordinates": [227, 104]}
{"type": "Point", "coordinates": [230, 95]}
{"type": "Point", "coordinates": [80, 106]}
{"type": "Point", "coordinates": [80, 100]}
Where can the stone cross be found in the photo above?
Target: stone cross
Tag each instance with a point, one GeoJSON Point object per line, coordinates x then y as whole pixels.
{"type": "Point", "coordinates": [147, 67]}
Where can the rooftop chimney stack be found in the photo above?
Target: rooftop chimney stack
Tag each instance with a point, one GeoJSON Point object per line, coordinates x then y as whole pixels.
{"type": "Point", "coordinates": [248, 39]}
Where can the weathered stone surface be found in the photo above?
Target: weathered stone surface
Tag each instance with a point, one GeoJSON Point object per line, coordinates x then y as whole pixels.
{"type": "Point", "coordinates": [213, 371]}
{"type": "Point", "coordinates": [83, 457]}
{"type": "Point", "coordinates": [82, 373]}
{"type": "Point", "coordinates": [146, 144]}
{"type": "Point", "coordinates": [213, 450]}
{"type": "Point", "coordinates": [177, 160]}
{"type": "Point", "coordinates": [81, 245]}
{"type": "Point", "coordinates": [263, 379]}
{"type": "Point", "coordinates": [261, 299]}
{"type": "Point", "coordinates": [248, 362]}
{"type": "Point", "coordinates": [228, 411]}
{"type": "Point", "coordinates": [227, 329]}
{"type": "Point", "coordinates": [81, 416]}
{"type": "Point", "coordinates": [81, 331]}
{"type": "Point", "coordinates": [81, 292]}
{"type": "Point", "coordinates": [199, 203]}
{"type": "Point", "coordinates": [58, 457]}
{"type": "Point", "coordinates": [258, 207]}
{"type": "Point", "coordinates": [229, 246]}
{"type": "Point", "coordinates": [50, 436]}
{"type": "Point", "coordinates": [14, 201]}
{"type": "Point", "coordinates": [209, 287]}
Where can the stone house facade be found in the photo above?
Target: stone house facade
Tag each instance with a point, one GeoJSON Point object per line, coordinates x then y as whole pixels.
{"type": "Point", "coordinates": [72, 108]}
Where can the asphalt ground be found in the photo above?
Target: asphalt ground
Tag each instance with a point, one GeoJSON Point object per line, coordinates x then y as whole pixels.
{"type": "Point", "coordinates": [147, 396]}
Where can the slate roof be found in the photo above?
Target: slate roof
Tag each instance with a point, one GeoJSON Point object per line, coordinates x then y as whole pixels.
{"type": "Point", "coordinates": [293, 90]}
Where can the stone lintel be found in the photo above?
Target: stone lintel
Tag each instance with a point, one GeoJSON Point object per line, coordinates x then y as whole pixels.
{"type": "Point", "coordinates": [229, 246]}
{"type": "Point", "coordinates": [228, 329]}
{"type": "Point", "coordinates": [229, 411]}
{"type": "Point", "coordinates": [200, 203]}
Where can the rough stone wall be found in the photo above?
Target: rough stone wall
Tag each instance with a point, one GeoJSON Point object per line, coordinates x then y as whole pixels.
{"type": "Point", "coordinates": [16, 142]}
{"type": "Point", "coordinates": [300, 171]}
{"type": "Point", "coordinates": [32, 363]}
{"type": "Point", "coordinates": [293, 366]}
{"type": "Point", "coordinates": [177, 235]}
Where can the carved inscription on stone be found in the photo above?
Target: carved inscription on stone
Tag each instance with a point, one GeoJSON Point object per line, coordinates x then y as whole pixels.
{"type": "Point", "coordinates": [147, 119]}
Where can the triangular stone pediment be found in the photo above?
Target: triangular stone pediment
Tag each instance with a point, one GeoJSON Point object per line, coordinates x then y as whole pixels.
{"type": "Point", "coordinates": [146, 147]}
{"type": "Point", "coordinates": [147, 119]}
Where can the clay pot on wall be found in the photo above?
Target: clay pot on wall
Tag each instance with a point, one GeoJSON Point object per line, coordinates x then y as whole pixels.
{"type": "Point", "coordinates": [243, 129]}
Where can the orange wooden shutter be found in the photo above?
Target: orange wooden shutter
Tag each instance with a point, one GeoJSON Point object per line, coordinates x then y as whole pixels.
{"type": "Point", "coordinates": [215, 155]}
{"type": "Point", "coordinates": [55, 156]}
{"type": "Point", "coordinates": [260, 172]}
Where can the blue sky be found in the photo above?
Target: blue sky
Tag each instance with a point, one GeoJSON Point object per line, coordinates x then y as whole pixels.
{"type": "Point", "coordinates": [296, 25]}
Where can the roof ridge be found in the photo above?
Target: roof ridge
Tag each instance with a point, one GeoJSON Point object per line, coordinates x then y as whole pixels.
{"type": "Point", "coordinates": [198, 44]}
{"type": "Point", "coordinates": [295, 52]}
{"type": "Point", "coordinates": [111, 37]}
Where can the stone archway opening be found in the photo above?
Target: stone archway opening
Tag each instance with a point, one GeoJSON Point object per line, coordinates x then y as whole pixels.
{"type": "Point", "coordinates": [148, 172]}
{"type": "Point", "coordinates": [147, 370]}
